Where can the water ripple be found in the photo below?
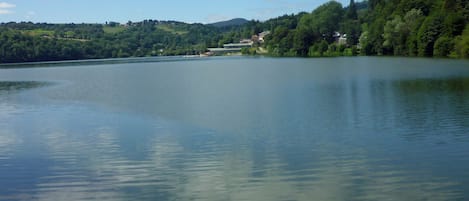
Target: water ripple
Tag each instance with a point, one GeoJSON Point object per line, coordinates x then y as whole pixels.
{"type": "Point", "coordinates": [296, 133]}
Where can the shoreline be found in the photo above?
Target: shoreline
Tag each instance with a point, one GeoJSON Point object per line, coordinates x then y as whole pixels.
{"type": "Point", "coordinates": [183, 58]}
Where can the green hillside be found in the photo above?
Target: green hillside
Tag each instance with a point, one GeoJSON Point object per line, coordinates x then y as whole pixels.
{"type": "Point", "coordinates": [378, 27]}
{"type": "Point", "coordinates": [430, 28]}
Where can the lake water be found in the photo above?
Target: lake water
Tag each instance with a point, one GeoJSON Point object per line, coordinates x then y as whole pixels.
{"type": "Point", "coordinates": [236, 128]}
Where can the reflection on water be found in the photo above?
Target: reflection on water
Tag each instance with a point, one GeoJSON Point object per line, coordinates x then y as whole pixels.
{"type": "Point", "coordinates": [97, 62]}
{"type": "Point", "coordinates": [281, 134]}
{"type": "Point", "coordinates": [66, 157]}
{"type": "Point", "coordinates": [443, 103]}
{"type": "Point", "coordinates": [15, 86]}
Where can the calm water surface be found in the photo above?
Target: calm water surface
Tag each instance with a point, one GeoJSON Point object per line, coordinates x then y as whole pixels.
{"type": "Point", "coordinates": [236, 129]}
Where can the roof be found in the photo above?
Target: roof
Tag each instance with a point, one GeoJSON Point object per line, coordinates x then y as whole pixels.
{"type": "Point", "coordinates": [237, 45]}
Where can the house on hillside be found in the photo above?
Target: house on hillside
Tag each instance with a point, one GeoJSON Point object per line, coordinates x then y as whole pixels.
{"type": "Point", "coordinates": [237, 45]}
{"type": "Point", "coordinates": [231, 48]}
{"type": "Point", "coordinates": [262, 35]}
{"type": "Point", "coordinates": [245, 41]}
{"type": "Point", "coordinates": [340, 39]}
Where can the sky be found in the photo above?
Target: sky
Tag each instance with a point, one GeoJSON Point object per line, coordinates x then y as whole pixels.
{"type": "Point", "coordinates": [190, 11]}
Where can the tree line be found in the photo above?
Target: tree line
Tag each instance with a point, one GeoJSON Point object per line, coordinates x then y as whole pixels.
{"type": "Point", "coordinates": [376, 27]}
{"type": "Point", "coordinates": [28, 42]}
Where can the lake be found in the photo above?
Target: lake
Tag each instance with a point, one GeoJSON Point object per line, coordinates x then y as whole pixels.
{"type": "Point", "coordinates": [236, 128]}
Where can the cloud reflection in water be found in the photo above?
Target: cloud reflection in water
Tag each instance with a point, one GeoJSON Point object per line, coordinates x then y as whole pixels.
{"type": "Point", "coordinates": [84, 161]}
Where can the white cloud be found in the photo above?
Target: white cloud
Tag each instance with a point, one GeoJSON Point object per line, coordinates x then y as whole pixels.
{"type": "Point", "coordinates": [2, 11]}
{"type": "Point", "coordinates": [4, 5]}
{"type": "Point", "coordinates": [5, 8]}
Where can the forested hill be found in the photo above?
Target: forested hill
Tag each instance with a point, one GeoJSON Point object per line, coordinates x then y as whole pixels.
{"type": "Point", "coordinates": [232, 22]}
{"type": "Point", "coordinates": [24, 42]}
{"type": "Point", "coordinates": [27, 42]}
{"type": "Point", "coordinates": [376, 27]}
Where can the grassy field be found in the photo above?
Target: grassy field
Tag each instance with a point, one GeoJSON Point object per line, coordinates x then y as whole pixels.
{"type": "Point", "coordinates": [165, 27]}
{"type": "Point", "coordinates": [113, 30]}
{"type": "Point", "coordinates": [51, 34]}
{"type": "Point", "coordinates": [171, 29]}
{"type": "Point", "coordinates": [40, 32]}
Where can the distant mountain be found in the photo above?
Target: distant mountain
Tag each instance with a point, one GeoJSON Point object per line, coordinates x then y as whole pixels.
{"type": "Point", "coordinates": [228, 23]}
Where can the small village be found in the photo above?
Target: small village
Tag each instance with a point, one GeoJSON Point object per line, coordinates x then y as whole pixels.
{"type": "Point", "coordinates": [256, 41]}
{"type": "Point", "coordinates": [235, 48]}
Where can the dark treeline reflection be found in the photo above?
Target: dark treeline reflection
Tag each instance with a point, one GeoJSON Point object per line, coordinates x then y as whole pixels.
{"type": "Point", "coordinates": [19, 85]}
{"type": "Point", "coordinates": [431, 104]}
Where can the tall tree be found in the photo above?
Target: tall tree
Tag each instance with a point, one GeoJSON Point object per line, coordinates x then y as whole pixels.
{"type": "Point", "coordinates": [374, 3]}
{"type": "Point", "coordinates": [351, 13]}
{"type": "Point", "coordinates": [351, 25]}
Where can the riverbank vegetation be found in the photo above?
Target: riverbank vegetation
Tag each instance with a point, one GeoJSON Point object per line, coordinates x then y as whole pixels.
{"type": "Point", "coordinates": [431, 28]}
{"type": "Point", "coordinates": [428, 28]}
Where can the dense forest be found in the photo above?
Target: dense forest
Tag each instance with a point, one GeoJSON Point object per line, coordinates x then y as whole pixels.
{"type": "Point", "coordinates": [23, 42]}
{"type": "Point", "coordinates": [376, 27]}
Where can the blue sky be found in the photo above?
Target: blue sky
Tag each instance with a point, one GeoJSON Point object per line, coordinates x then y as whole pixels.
{"type": "Point", "coordinates": [100, 11]}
